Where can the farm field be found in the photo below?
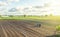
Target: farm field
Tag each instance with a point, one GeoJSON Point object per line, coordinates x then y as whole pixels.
{"type": "Point", "coordinates": [27, 27]}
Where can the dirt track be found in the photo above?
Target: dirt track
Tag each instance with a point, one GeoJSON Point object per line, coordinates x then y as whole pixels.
{"type": "Point", "coordinates": [15, 28]}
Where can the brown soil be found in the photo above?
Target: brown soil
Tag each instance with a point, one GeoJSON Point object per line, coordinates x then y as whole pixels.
{"type": "Point", "coordinates": [19, 28]}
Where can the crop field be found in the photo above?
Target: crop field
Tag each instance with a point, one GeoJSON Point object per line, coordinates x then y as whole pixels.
{"type": "Point", "coordinates": [27, 27]}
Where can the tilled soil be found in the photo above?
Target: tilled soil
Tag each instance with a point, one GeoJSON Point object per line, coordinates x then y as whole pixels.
{"type": "Point", "coordinates": [19, 28]}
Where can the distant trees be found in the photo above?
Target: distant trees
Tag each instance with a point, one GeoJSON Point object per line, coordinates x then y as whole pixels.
{"type": "Point", "coordinates": [0, 15]}
{"type": "Point", "coordinates": [51, 14]}
{"type": "Point", "coordinates": [24, 15]}
{"type": "Point", "coordinates": [10, 15]}
{"type": "Point", "coordinates": [46, 15]}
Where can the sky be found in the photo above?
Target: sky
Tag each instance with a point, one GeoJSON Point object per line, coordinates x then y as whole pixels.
{"type": "Point", "coordinates": [48, 7]}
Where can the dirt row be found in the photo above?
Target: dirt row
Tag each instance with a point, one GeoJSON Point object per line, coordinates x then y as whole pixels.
{"type": "Point", "coordinates": [19, 28]}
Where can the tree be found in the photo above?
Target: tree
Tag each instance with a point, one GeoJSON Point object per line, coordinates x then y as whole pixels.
{"type": "Point", "coordinates": [24, 15]}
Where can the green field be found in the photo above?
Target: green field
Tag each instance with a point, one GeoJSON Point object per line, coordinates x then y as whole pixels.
{"type": "Point", "coordinates": [48, 20]}
{"type": "Point", "coordinates": [33, 17]}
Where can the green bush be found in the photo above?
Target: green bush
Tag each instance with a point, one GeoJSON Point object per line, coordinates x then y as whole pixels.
{"type": "Point", "coordinates": [58, 28]}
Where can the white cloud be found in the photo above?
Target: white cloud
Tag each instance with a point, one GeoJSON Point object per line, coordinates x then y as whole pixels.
{"type": "Point", "coordinates": [13, 0]}
{"type": "Point", "coordinates": [19, 7]}
{"type": "Point", "coordinates": [3, 4]}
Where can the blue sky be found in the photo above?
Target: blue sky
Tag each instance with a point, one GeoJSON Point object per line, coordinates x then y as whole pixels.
{"type": "Point", "coordinates": [15, 3]}
{"type": "Point", "coordinates": [5, 5]}
{"type": "Point", "coordinates": [54, 5]}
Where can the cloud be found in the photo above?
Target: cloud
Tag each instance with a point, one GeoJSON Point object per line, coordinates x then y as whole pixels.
{"type": "Point", "coordinates": [13, 10]}
{"type": "Point", "coordinates": [3, 3]}
{"type": "Point", "coordinates": [13, 0]}
{"type": "Point", "coordinates": [3, 6]}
